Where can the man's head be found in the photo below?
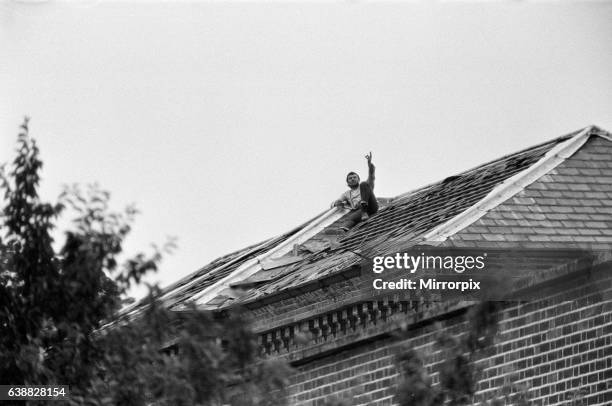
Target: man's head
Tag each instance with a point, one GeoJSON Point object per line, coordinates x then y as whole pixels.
{"type": "Point", "coordinates": [352, 180]}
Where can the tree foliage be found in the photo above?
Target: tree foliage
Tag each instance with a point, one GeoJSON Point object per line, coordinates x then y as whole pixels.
{"type": "Point", "coordinates": [58, 310]}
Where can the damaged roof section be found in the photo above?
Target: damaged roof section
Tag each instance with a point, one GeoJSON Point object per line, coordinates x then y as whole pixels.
{"type": "Point", "coordinates": [213, 272]}
{"type": "Point", "coordinates": [219, 276]}
{"type": "Point", "coordinates": [182, 291]}
{"type": "Point", "coordinates": [319, 249]}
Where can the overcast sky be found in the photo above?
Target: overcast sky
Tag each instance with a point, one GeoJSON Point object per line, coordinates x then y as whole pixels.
{"type": "Point", "coordinates": [231, 122]}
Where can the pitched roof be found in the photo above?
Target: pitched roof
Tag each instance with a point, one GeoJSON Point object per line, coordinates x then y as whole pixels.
{"type": "Point", "coordinates": [220, 268]}
{"type": "Point", "coordinates": [431, 212]}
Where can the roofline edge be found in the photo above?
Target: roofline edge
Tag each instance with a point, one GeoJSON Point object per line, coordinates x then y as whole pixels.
{"type": "Point", "coordinates": [512, 186]}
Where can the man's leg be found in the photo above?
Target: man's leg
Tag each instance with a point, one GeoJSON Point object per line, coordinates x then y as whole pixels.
{"type": "Point", "coordinates": [353, 218]}
{"type": "Point", "coordinates": [369, 204]}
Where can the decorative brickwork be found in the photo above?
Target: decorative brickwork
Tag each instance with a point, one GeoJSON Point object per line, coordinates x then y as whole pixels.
{"type": "Point", "coordinates": [561, 350]}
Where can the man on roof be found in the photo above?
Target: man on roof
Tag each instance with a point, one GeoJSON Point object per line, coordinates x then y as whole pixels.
{"type": "Point", "coordinates": [360, 197]}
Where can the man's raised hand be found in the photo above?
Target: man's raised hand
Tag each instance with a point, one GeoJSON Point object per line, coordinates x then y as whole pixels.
{"type": "Point", "coordinates": [369, 157]}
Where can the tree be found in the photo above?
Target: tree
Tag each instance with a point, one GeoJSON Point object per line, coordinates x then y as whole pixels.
{"type": "Point", "coordinates": [54, 307]}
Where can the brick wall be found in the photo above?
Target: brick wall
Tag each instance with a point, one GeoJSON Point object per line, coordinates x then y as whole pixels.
{"type": "Point", "coordinates": [560, 349]}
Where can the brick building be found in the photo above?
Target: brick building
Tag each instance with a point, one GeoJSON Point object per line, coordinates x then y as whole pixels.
{"type": "Point", "coordinates": [310, 295]}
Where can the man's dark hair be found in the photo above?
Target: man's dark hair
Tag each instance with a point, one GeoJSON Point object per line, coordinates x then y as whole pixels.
{"type": "Point", "coordinates": [349, 174]}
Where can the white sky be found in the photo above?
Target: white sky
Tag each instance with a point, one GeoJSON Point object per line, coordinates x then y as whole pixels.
{"type": "Point", "coordinates": [228, 123]}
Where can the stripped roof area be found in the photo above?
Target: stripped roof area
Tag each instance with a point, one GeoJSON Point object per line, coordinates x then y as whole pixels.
{"type": "Point", "coordinates": [184, 289]}
{"type": "Point", "coordinates": [209, 274]}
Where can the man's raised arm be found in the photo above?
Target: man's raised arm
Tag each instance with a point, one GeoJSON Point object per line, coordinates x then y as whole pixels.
{"type": "Point", "coordinates": [371, 169]}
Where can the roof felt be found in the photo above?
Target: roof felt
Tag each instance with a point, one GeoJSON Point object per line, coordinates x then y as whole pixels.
{"type": "Point", "coordinates": [402, 220]}
{"type": "Point", "coordinates": [182, 291]}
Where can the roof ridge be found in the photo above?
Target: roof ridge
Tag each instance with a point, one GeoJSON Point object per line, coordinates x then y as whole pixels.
{"type": "Point", "coordinates": [493, 161]}
{"type": "Point", "coordinates": [513, 185]}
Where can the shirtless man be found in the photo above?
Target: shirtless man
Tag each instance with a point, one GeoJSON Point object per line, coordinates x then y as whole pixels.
{"type": "Point", "coordinates": [360, 197]}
